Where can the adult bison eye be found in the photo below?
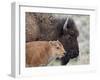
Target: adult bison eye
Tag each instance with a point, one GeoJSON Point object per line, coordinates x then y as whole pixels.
{"type": "Point", "coordinates": [72, 33]}
{"type": "Point", "coordinates": [68, 37]}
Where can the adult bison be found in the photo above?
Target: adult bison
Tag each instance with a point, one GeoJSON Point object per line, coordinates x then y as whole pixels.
{"type": "Point", "coordinates": [47, 26]}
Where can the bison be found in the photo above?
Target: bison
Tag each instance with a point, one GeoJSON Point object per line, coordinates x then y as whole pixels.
{"type": "Point", "coordinates": [48, 26]}
{"type": "Point", "coordinates": [41, 53]}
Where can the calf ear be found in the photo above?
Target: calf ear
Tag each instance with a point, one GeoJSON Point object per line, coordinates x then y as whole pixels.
{"type": "Point", "coordinates": [52, 43]}
{"type": "Point", "coordinates": [57, 40]}
{"type": "Point", "coordinates": [59, 43]}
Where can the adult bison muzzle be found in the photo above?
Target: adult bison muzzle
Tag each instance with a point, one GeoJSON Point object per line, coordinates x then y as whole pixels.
{"type": "Point", "coordinates": [47, 26]}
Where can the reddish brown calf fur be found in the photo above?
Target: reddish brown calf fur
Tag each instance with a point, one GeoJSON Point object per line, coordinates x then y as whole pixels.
{"type": "Point", "coordinates": [40, 53]}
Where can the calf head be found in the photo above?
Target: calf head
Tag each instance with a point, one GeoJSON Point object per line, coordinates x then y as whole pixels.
{"type": "Point", "coordinates": [57, 49]}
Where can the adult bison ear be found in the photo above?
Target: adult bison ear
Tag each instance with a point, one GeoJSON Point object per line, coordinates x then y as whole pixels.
{"type": "Point", "coordinates": [70, 27]}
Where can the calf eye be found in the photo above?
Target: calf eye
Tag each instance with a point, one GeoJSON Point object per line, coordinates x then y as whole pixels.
{"type": "Point", "coordinates": [57, 47]}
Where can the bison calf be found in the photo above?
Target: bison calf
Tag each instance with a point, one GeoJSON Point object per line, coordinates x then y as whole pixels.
{"type": "Point", "coordinates": [40, 53]}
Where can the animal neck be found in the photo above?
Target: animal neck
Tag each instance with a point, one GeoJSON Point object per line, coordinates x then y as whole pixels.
{"type": "Point", "coordinates": [51, 55]}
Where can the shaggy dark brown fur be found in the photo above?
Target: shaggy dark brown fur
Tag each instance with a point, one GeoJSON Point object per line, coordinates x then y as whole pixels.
{"type": "Point", "coordinates": [45, 27]}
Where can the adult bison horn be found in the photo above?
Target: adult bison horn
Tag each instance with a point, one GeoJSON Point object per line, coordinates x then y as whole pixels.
{"type": "Point", "coordinates": [65, 24]}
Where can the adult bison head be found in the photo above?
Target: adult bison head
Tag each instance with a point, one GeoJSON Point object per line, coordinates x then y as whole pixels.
{"type": "Point", "coordinates": [69, 40]}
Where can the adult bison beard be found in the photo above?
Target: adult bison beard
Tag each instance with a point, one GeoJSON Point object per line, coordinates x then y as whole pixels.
{"type": "Point", "coordinates": [70, 54]}
{"type": "Point", "coordinates": [71, 46]}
